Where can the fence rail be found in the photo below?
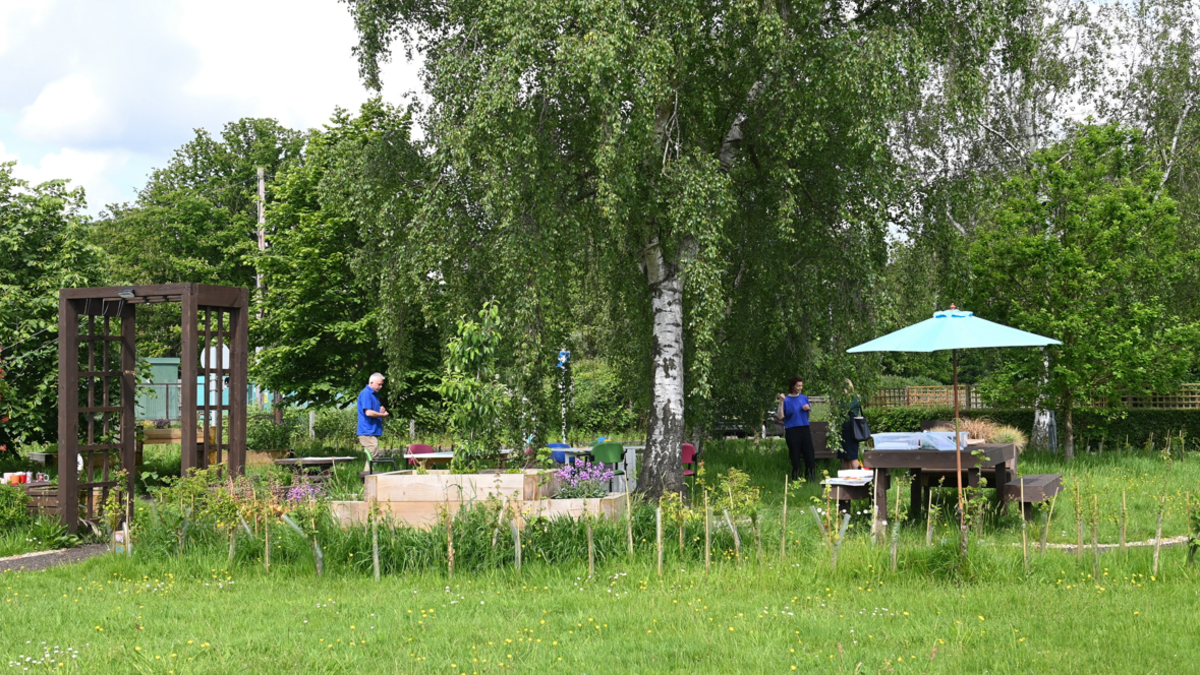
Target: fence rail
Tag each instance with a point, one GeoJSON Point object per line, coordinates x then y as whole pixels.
{"type": "Point", "coordinates": [1186, 397]}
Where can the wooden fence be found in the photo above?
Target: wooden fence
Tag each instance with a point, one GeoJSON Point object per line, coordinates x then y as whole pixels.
{"type": "Point", "coordinates": [1186, 397]}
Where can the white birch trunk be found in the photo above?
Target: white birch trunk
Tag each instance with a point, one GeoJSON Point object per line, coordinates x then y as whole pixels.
{"type": "Point", "coordinates": [663, 470]}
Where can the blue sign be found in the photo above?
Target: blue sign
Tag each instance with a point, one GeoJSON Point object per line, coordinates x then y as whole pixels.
{"type": "Point", "coordinates": [563, 357]}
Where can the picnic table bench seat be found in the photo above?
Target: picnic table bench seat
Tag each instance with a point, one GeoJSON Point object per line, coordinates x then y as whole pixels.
{"type": "Point", "coordinates": [1038, 487]}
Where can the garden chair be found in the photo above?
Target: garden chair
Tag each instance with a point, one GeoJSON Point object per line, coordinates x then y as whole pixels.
{"type": "Point", "coordinates": [418, 449]}
{"type": "Point", "coordinates": [609, 453]}
{"type": "Point", "coordinates": [689, 463]}
{"type": "Point", "coordinates": [558, 456]}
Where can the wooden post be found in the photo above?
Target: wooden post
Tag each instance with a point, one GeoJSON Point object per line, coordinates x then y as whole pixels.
{"type": "Point", "coordinates": [516, 533]}
{"type": "Point", "coordinates": [266, 545]}
{"type": "Point", "coordinates": [1158, 534]}
{"type": "Point", "coordinates": [737, 541]}
{"type": "Point", "coordinates": [783, 522]}
{"type": "Point", "coordinates": [375, 545]}
{"type": "Point", "coordinates": [1078, 524]}
{"type": "Point", "coordinates": [129, 407]}
{"type": "Point", "coordinates": [68, 412]}
{"type": "Point", "coordinates": [658, 537]}
{"type": "Point", "coordinates": [591, 551]}
{"type": "Point", "coordinates": [239, 351]}
{"type": "Point", "coordinates": [189, 457]}
{"type": "Point", "coordinates": [449, 542]}
{"type": "Point", "coordinates": [1096, 539]}
{"type": "Point", "coordinates": [629, 523]}
{"type": "Point", "coordinates": [707, 534]}
{"type": "Point", "coordinates": [1123, 516]}
{"type": "Point", "coordinates": [1024, 531]}
{"type": "Point", "coordinates": [929, 520]}
{"type": "Point", "coordinates": [1046, 530]}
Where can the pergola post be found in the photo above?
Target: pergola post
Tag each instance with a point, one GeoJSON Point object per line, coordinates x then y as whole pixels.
{"type": "Point", "coordinates": [188, 351]}
{"type": "Point", "coordinates": [68, 412]}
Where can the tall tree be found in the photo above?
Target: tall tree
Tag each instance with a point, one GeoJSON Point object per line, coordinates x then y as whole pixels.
{"type": "Point", "coordinates": [666, 145]}
{"type": "Point", "coordinates": [195, 220]}
{"type": "Point", "coordinates": [322, 322]}
{"type": "Point", "coordinates": [43, 247]}
{"type": "Point", "coordinates": [1084, 249]}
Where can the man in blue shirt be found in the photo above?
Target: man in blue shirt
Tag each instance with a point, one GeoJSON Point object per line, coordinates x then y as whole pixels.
{"type": "Point", "coordinates": [370, 416]}
{"type": "Point", "coordinates": [793, 412]}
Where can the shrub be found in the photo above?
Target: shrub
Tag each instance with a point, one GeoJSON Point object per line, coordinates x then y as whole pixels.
{"type": "Point", "coordinates": [13, 506]}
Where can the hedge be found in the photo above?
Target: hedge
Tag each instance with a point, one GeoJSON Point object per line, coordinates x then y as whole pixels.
{"type": "Point", "coordinates": [1091, 424]}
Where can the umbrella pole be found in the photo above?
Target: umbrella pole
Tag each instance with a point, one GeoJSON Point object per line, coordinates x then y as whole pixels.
{"type": "Point", "coordinates": [962, 521]}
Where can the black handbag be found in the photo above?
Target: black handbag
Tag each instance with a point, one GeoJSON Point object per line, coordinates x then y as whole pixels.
{"type": "Point", "coordinates": [862, 432]}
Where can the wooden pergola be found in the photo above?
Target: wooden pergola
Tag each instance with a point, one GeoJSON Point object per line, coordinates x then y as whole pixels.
{"type": "Point", "coordinates": [97, 385]}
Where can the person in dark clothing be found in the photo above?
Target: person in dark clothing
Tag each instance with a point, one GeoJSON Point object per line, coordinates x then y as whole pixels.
{"type": "Point", "coordinates": [849, 453]}
{"type": "Point", "coordinates": [793, 412]}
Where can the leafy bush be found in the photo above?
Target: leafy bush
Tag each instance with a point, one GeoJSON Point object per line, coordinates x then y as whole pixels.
{"type": "Point", "coordinates": [13, 506]}
{"type": "Point", "coordinates": [898, 382]}
{"type": "Point", "coordinates": [600, 405]}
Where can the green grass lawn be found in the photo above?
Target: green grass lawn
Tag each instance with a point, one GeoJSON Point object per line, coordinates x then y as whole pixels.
{"type": "Point", "coordinates": [162, 613]}
{"type": "Point", "coordinates": [168, 616]}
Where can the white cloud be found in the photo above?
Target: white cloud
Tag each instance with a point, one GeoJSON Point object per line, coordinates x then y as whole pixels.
{"type": "Point", "coordinates": [18, 15]}
{"type": "Point", "coordinates": [91, 169]}
{"type": "Point", "coordinates": [67, 109]}
{"type": "Point", "coordinates": [108, 90]}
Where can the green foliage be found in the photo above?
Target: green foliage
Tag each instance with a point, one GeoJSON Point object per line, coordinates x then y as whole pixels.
{"type": "Point", "coordinates": [13, 506]}
{"type": "Point", "coordinates": [322, 328]}
{"type": "Point", "coordinates": [600, 405]}
{"type": "Point", "coordinates": [477, 402]}
{"type": "Point", "coordinates": [43, 247]}
{"type": "Point", "coordinates": [898, 382]}
{"type": "Point", "coordinates": [1083, 249]}
{"type": "Point", "coordinates": [195, 220]}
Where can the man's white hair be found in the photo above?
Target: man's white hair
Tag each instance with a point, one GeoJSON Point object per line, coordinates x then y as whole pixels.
{"type": "Point", "coordinates": [375, 376]}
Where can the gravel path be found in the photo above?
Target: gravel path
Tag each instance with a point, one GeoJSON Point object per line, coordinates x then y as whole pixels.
{"type": "Point", "coordinates": [32, 562]}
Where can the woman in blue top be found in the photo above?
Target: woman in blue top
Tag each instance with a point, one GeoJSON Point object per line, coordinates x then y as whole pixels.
{"type": "Point", "coordinates": [793, 412]}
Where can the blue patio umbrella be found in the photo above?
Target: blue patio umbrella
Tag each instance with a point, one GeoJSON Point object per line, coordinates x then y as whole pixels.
{"type": "Point", "coordinates": [953, 329]}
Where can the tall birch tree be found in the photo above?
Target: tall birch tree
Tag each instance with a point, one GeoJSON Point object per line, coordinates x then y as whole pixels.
{"type": "Point", "coordinates": [680, 155]}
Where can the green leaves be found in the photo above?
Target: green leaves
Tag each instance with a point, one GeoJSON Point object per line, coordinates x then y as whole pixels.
{"type": "Point", "coordinates": [1083, 249]}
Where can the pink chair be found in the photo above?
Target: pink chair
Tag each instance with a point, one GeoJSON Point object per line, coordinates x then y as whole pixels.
{"type": "Point", "coordinates": [689, 460]}
{"type": "Point", "coordinates": [418, 449]}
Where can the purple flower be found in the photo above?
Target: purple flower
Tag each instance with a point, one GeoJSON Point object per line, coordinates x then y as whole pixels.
{"type": "Point", "coordinates": [304, 491]}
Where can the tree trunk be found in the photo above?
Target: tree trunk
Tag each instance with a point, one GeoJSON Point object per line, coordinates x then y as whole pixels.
{"type": "Point", "coordinates": [663, 470]}
{"type": "Point", "coordinates": [1068, 429]}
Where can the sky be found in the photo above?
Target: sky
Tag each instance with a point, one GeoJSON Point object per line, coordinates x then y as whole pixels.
{"type": "Point", "coordinates": [102, 93]}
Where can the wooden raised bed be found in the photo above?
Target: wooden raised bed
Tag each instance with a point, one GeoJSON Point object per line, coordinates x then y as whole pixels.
{"type": "Point", "coordinates": [428, 513]}
{"type": "Point", "coordinates": [420, 499]}
{"type": "Point", "coordinates": [443, 486]}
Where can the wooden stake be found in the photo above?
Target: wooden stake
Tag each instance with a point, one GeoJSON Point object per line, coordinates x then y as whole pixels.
{"type": "Point", "coordinates": [707, 534]}
{"type": "Point", "coordinates": [232, 544]}
{"type": "Point", "coordinates": [658, 537]}
{"type": "Point", "coordinates": [1158, 534]}
{"type": "Point", "coordinates": [1123, 516]}
{"type": "Point", "coordinates": [629, 524]}
{"type": "Point", "coordinates": [895, 541]}
{"type": "Point", "coordinates": [737, 541]}
{"type": "Point", "coordinates": [266, 545]}
{"type": "Point", "coordinates": [783, 522]}
{"type": "Point", "coordinates": [929, 521]}
{"type": "Point", "coordinates": [1096, 539]}
{"type": "Point", "coordinates": [449, 543]}
{"type": "Point", "coordinates": [1024, 530]}
{"type": "Point", "coordinates": [591, 551]}
{"type": "Point", "coordinates": [516, 533]}
{"type": "Point", "coordinates": [375, 545]}
{"type": "Point", "coordinates": [129, 540]}
{"type": "Point", "coordinates": [1078, 525]}
{"type": "Point", "coordinates": [1046, 530]}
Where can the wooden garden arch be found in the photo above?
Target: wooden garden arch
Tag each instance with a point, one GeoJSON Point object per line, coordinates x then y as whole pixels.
{"type": "Point", "coordinates": [97, 385]}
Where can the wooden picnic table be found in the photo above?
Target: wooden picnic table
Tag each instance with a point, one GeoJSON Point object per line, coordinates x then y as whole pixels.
{"type": "Point", "coordinates": [427, 459]}
{"type": "Point", "coordinates": [992, 457]}
{"type": "Point", "coordinates": [324, 465]}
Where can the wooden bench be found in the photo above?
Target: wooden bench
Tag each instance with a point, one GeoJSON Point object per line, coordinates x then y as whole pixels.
{"type": "Point", "coordinates": [1037, 488]}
